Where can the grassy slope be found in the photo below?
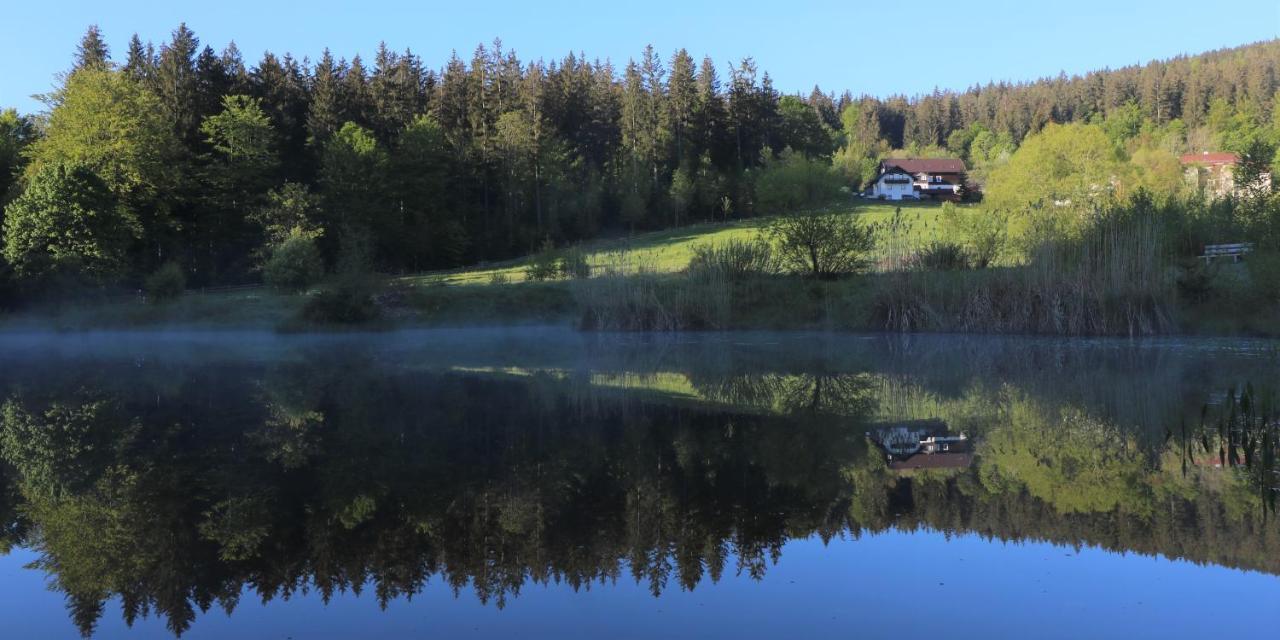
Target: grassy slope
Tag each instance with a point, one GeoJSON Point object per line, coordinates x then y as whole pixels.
{"type": "Point", "coordinates": [669, 250]}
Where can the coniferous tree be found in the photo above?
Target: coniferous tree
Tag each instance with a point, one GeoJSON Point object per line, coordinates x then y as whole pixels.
{"type": "Point", "coordinates": [325, 114]}
{"type": "Point", "coordinates": [140, 63]}
{"type": "Point", "coordinates": [213, 83]}
{"type": "Point", "coordinates": [563, 149]}
{"type": "Point", "coordinates": [236, 73]}
{"type": "Point", "coordinates": [176, 85]}
{"type": "Point", "coordinates": [682, 91]}
{"type": "Point", "coordinates": [92, 50]}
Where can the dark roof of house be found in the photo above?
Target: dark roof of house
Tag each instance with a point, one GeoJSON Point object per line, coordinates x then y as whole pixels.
{"type": "Point", "coordinates": [933, 461]}
{"type": "Point", "coordinates": [1210, 158]}
{"type": "Point", "coordinates": [926, 165]}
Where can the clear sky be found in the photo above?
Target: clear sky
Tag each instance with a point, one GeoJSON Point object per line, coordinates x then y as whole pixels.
{"type": "Point", "coordinates": [867, 47]}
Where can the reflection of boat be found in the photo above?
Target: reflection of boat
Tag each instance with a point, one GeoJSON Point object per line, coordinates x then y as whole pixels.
{"type": "Point", "coordinates": [922, 444]}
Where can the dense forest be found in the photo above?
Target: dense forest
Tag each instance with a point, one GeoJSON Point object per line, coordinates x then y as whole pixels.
{"type": "Point", "coordinates": [179, 155]}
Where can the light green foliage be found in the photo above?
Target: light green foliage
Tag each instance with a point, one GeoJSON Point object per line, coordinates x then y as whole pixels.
{"type": "Point", "coordinates": [111, 124]}
{"type": "Point", "coordinates": [66, 222]}
{"type": "Point", "coordinates": [822, 245]}
{"type": "Point", "coordinates": [1123, 123]}
{"type": "Point", "coordinates": [1065, 170]}
{"type": "Point", "coordinates": [733, 260]}
{"type": "Point", "coordinates": [1072, 461]}
{"type": "Point", "coordinates": [794, 182]}
{"type": "Point", "coordinates": [989, 148]}
{"type": "Point", "coordinates": [960, 142]}
{"type": "Point", "coordinates": [290, 210]}
{"type": "Point", "coordinates": [983, 233]}
{"type": "Point", "coordinates": [45, 446]}
{"type": "Point", "coordinates": [1157, 170]}
{"type": "Point", "coordinates": [238, 525]}
{"type": "Point", "coordinates": [545, 264]}
{"type": "Point", "coordinates": [1236, 127]}
{"type": "Point", "coordinates": [242, 133]}
{"type": "Point", "coordinates": [683, 193]}
{"type": "Point", "coordinates": [295, 264]}
{"type": "Point", "coordinates": [858, 158]}
{"type": "Point", "coordinates": [671, 250]}
{"type": "Point", "coordinates": [166, 283]}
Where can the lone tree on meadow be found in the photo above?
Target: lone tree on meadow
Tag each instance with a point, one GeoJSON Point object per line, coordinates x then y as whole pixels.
{"type": "Point", "coordinates": [822, 245]}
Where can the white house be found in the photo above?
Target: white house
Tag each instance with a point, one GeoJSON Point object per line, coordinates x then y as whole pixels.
{"type": "Point", "coordinates": [894, 183]}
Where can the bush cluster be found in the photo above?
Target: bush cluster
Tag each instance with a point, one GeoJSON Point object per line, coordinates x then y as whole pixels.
{"type": "Point", "coordinates": [166, 283]}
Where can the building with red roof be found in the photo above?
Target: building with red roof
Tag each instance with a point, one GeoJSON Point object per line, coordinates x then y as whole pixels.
{"type": "Point", "coordinates": [1214, 172]}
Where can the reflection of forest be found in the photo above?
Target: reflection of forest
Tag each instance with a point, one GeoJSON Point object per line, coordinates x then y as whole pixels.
{"type": "Point", "coordinates": [176, 485]}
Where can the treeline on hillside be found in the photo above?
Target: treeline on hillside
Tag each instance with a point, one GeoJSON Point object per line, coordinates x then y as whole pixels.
{"type": "Point", "coordinates": [181, 161]}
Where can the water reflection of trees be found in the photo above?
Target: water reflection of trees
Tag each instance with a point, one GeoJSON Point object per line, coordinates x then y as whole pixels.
{"type": "Point", "coordinates": [252, 481]}
{"type": "Point", "coordinates": [179, 489]}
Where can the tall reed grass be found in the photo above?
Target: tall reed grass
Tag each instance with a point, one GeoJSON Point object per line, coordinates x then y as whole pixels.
{"type": "Point", "coordinates": [629, 295]}
{"type": "Point", "coordinates": [1113, 278]}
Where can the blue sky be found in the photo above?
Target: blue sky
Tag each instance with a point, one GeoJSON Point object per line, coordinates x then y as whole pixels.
{"type": "Point", "coordinates": [877, 48]}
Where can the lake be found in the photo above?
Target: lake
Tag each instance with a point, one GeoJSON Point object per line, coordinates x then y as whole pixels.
{"type": "Point", "coordinates": [547, 483]}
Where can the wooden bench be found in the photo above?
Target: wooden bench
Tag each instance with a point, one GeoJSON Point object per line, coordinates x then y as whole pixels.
{"type": "Point", "coordinates": [1234, 251]}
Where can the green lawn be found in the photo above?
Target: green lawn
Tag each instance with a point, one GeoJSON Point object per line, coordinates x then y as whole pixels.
{"type": "Point", "coordinates": [669, 250]}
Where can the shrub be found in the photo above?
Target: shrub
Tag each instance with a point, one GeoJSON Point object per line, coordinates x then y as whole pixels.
{"type": "Point", "coordinates": [733, 260]}
{"type": "Point", "coordinates": [545, 264]}
{"type": "Point", "coordinates": [822, 245]}
{"type": "Point", "coordinates": [349, 301]}
{"type": "Point", "coordinates": [942, 256]}
{"type": "Point", "coordinates": [573, 264]}
{"type": "Point", "coordinates": [1264, 274]}
{"type": "Point", "coordinates": [794, 182]}
{"type": "Point", "coordinates": [166, 283]}
{"type": "Point", "coordinates": [294, 265]}
{"type": "Point", "coordinates": [983, 234]}
{"type": "Point", "coordinates": [499, 278]}
{"type": "Point", "coordinates": [1194, 280]}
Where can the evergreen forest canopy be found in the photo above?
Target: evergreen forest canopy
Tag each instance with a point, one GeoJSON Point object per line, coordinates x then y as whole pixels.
{"type": "Point", "coordinates": [179, 156]}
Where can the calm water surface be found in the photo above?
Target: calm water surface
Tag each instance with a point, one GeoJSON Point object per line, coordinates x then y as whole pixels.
{"type": "Point", "coordinates": [542, 483]}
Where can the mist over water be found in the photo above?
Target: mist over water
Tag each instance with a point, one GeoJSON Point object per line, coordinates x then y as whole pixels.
{"type": "Point", "coordinates": [545, 482]}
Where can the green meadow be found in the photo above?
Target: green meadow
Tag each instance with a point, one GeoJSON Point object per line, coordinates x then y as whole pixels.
{"type": "Point", "coordinates": [669, 250]}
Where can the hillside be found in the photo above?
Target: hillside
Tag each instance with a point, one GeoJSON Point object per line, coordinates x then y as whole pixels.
{"type": "Point", "coordinates": [670, 250]}
{"type": "Point", "coordinates": [419, 165]}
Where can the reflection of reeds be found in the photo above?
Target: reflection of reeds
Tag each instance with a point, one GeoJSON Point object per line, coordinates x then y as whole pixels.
{"type": "Point", "coordinates": [1242, 435]}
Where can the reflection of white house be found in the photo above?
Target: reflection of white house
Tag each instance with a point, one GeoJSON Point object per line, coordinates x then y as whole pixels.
{"type": "Point", "coordinates": [906, 439]}
{"type": "Point", "coordinates": [894, 184]}
{"type": "Point", "coordinates": [922, 444]}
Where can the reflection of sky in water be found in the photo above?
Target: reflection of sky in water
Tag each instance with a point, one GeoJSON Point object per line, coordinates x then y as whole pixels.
{"type": "Point", "coordinates": [909, 585]}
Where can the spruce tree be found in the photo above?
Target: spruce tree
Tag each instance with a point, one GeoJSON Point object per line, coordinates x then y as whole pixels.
{"type": "Point", "coordinates": [92, 50]}
{"type": "Point", "coordinates": [140, 63]}
{"type": "Point", "coordinates": [325, 114]}
{"type": "Point", "coordinates": [175, 84]}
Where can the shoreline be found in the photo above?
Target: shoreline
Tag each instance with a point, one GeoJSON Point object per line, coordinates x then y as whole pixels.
{"type": "Point", "coordinates": [805, 308]}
